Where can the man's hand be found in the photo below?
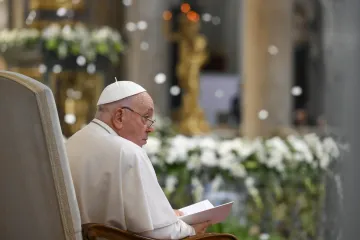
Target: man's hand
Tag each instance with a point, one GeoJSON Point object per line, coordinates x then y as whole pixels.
{"type": "Point", "coordinates": [200, 228]}
{"type": "Point", "coordinates": [178, 213]}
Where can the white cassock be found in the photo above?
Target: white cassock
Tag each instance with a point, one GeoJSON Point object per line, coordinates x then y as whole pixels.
{"type": "Point", "coordinates": [116, 184]}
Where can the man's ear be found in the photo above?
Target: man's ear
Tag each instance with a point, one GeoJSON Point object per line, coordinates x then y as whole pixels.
{"type": "Point", "coordinates": [117, 118]}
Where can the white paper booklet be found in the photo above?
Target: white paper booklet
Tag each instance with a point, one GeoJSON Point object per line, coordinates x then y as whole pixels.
{"type": "Point", "coordinates": [204, 211]}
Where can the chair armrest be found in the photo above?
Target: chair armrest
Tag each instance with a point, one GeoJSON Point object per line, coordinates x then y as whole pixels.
{"type": "Point", "coordinates": [91, 231]}
{"type": "Point", "coordinates": [212, 236]}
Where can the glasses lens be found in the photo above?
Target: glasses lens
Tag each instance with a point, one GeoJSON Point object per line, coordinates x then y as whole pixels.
{"type": "Point", "coordinates": [150, 122]}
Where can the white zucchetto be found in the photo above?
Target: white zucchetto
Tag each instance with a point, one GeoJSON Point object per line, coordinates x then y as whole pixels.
{"type": "Point", "coordinates": [119, 90]}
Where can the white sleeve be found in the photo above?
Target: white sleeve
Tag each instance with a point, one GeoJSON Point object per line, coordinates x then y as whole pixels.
{"type": "Point", "coordinates": [177, 230]}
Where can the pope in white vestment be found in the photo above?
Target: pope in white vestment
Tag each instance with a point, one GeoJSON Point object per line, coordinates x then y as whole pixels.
{"type": "Point", "coordinates": [114, 180]}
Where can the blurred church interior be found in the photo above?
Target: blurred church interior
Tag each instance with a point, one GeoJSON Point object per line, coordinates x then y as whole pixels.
{"type": "Point", "coordinates": [246, 76]}
{"type": "Point", "coordinates": [77, 48]}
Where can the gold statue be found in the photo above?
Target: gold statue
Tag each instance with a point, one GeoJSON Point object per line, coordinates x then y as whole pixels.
{"type": "Point", "coordinates": [192, 56]}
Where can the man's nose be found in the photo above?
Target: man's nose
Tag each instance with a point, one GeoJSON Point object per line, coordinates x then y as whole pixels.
{"type": "Point", "coordinates": [150, 129]}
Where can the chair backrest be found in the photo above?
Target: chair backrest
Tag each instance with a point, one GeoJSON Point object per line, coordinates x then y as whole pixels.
{"type": "Point", "coordinates": [37, 197]}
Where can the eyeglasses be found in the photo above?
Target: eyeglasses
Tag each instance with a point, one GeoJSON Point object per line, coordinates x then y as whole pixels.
{"type": "Point", "coordinates": [147, 120]}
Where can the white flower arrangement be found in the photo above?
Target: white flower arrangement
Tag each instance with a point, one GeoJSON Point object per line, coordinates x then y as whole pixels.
{"type": "Point", "coordinates": [17, 38]}
{"type": "Point", "coordinates": [274, 153]}
{"type": "Point", "coordinates": [67, 41]}
{"type": "Point", "coordinates": [276, 173]}
{"type": "Point", "coordinates": [238, 159]}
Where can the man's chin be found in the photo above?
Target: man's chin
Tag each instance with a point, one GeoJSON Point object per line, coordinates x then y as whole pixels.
{"type": "Point", "coordinates": [140, 142]}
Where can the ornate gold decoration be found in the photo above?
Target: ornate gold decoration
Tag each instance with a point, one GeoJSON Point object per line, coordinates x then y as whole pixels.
{"type": "Point", "coordinates": [192, 56]}
{"type": "Point", "coordinates": [41, 24]}
{"type": "Point", "coordinates": [75, 94]}
{"type": "Point", "coordinates": [32, 72]}
{"type": "Point", "coordinates": [56, 4]}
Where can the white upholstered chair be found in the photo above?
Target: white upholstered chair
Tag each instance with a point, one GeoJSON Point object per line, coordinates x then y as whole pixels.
{"type": "Point", "coordinates": [37, 197]}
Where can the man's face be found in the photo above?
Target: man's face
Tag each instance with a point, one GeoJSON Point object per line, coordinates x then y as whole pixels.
{"type": "Point", "coordinates": [138, 119]}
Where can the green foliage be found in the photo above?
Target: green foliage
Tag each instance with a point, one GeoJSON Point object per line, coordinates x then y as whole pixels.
{"type": "Point", "coordinates": [232, 226]}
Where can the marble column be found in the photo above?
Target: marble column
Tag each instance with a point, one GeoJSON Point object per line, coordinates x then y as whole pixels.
{"type": "Point", "coordinates": [147, 53]}
{"type": "Point", "coordinates": [17, 18]}
{"type": "Point", "coordinates": [316, 64]}
{"type": "Point", "coordinates": [266, 65]}
{"type": "Point", "coordinates": [4, 14]}
{"type": "Point", "coordinates": [342, 57]}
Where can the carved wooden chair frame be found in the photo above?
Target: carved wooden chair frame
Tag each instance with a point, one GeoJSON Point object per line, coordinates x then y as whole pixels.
{"type": "Point", "coordinates": [92, 231]}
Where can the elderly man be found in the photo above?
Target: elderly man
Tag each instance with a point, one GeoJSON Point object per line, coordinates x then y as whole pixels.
{"type": "Point", "coordinates": [114, 180]}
